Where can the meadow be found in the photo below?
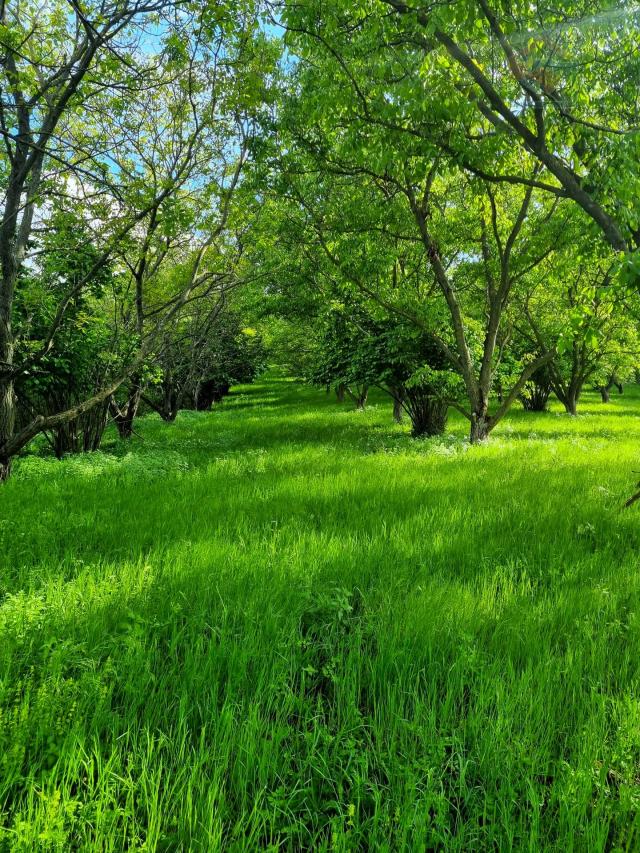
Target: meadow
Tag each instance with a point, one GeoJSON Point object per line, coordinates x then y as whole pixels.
{"type": "Point", "coordinates": [286, 625]}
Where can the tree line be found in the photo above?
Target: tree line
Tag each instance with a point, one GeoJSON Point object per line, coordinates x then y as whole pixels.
{"type": "Point", "coordinates": [439, 200]}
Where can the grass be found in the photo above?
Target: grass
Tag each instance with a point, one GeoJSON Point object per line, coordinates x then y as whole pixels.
{"type": "Point", "coordinates": [285, 625]}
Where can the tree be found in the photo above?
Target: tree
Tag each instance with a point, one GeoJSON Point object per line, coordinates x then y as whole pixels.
{"type": "Point", "coordinates": [585, 320]}
{"type": "Point", "coordinates": [344, 356]}
{"type": "Point", "coordinates": [535, 75]}
{"type": "Point", "coordinates": [102, 109]}
{"type": "Point", "coordinates": [478, 79]}
{"type": "Point", "coordinates": [53, 60]}
{"type": "Point", "coordinates": [419, 246]}
{"type": "Point", "coordinates": [208, 352]}
{"type": "Point", "coordinates": [373, 192]}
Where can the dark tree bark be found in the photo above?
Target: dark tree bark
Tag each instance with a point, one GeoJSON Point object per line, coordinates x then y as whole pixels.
{"type": "Point", "coordinates": [359, 395]}
{"type": "Point", "coordinates": [428, 414]}
{"type": "Point", "coordinates": [84, 434]}
{"type": "Point", "coordinates": [209, 392]}
{"type": "Point", "coordinates": [398, 395]}
{"type": "Point", "coordinates": [124, 416]}
{"type": "Point", "coordinates": [480, 428]}
{"type": "Point", "coordinates": [612, 382]}
{"type": "Point", "coordinates": [569, 398]}
{"type": "Point", "coordinates": [569, 391]}
{"type": "Point", "coordinates": [535, 398]}
{"type": "Point", "coordinates": [7, 421]}
{"type": "Point", "coordinates": [170, 402]}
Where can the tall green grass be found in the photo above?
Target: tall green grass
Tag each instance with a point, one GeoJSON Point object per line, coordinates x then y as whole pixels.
{"type": "Point", "coordinates": [285, 625]}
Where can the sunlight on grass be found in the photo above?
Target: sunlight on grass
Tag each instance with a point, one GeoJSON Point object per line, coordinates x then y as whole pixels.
{"type": "Point", "coordinates": [286, 625]}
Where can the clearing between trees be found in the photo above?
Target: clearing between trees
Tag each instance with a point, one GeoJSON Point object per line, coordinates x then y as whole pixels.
{"type": "Point", "coordinates": [286, 625]}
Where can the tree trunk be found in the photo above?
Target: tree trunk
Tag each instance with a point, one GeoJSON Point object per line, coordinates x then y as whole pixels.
{"type": "Point", "coordinates": [124, 417]}
{"type": "Point", "coordinates": [361, 399]}
{"type": "Point", "coordinates": [7, 423]}
{"type": "Point", "coordinates": [397, 407]}
{"type": "Point", "coordinates": [480, 427]}
{"type": "Point", "coordinates": [535, 396]}
{"type": "Point", "coordinates": [568, 396]}
{"type": "Point", "coordinates": [340, 391]}
{"type": "Point", "coordinates": [613, 382]}
{"type": "Point", "coordinates": [209, 392]}
{"type": "Point", "coordinates": [359, 396]}
{"type": "Point", "coordinates": [170, 406]}
{"type": "Point", "coordinates": [93, 427]}
{"type": "Point", "coordinates": [7, 392]}
{"type": "Point", "coordinates": [125, 425]}
{"type": "Point", "coordinates": [5, 469]}
{"type": "Point", "coordinates": [398, 395]}
{"type": "Point", "coordinates": [82, 434]}
{"type": "Point", "coordinates": [571, 399]}
{"type": "Point", "coordinates": [428, 416]}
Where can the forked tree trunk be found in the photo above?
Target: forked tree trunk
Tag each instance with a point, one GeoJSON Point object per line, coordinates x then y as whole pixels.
{"type": "Point", "coordinates": [613, 382]}
{"type": "Point", "coordinates": [359, 396]}
{"type": "Point", "coordinates": [124, 424]}
{"type": "Point", "coordinates": [568, 396]}
{"type": "Point", "coordinates": [170, 400]}
{"type": "Point", "coordinates": [170, 404]}
{"type": "Point", "coordinates": [82, 434]}
{"type": "Point", "coordinates": [94, 424]}
{"type": "Point", "coordinates": [428, 416]}
{"type": "Point", "coordinates": [170, 408]}
{"type": "Point", "coordinates": [535, 396]}
{"type": "Point", "coordinates": [125, 416]}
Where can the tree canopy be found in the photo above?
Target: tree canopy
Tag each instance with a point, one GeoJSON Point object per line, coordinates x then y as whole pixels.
{"type": "Point", "coordinates": [465, 174]}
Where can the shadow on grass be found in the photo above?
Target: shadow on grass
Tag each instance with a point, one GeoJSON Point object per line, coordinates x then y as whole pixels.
{"type": "Point", "coordinates": [291, 473]}
{"type": "Point", "coordinates": [156, 616]}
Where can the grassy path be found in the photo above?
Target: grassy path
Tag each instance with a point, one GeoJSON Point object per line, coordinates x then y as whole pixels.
{"type": "Point", "coordinates": [284, 625]}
